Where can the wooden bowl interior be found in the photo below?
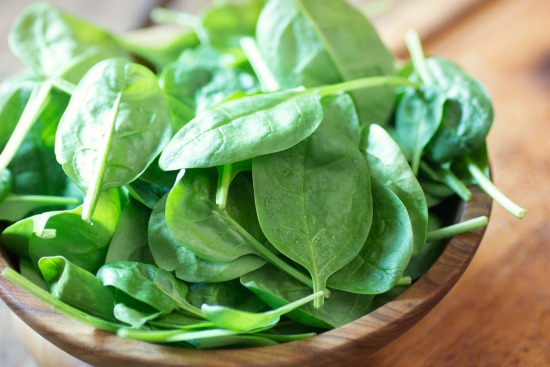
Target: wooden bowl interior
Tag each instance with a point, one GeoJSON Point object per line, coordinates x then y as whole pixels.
{"type": "Point", "coordinates": [345, 344]}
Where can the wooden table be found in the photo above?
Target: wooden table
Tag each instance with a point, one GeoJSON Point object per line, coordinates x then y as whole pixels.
{"type": "Point", "coordinates": [499, 312]}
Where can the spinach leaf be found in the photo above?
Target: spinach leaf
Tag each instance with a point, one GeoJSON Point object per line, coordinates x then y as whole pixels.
{"type": "Point", "coordinates": [244, 128]}
{"type": "Point", "coordinates": [119, 133]}
{"type": "Point", "coordinates": [418, 117]}
{"type": "Point", "coordinates": [316, 42]}
{"type": "Point", "coordinates": [314, 202]}
{"type": "Point", "coordinates": [77, 287]}
{"type": "Point", "coordinates": [202, 85]}
{"type": "Point", "coordinates": [233, 319]}
{"type": "Point", "coordinates": [467, 112]}
{"type": "Point", "coordinates": [390, 167]}
{"type": "Point", "coordinates": [16, 237]}
{"type": "Point", "coordinates": [132, 311]}
{"type": "Point", "coordinates": [229, 294]}
{"type": "Point", "coordinates": [42, 30]}
{"type": "Point", "coordinates": [149, 284]}
{"type": "Point", "coordinates": [277, 289]}
{"type": "Point", "coordinates": [62, 230]}
{"type": "Point", "coordinates": [129, 242]}
{"type": "Point", "coordinates": [224, 24]}
{"type": "Point", "coordinates": [421, 262]}
{"type": "Point", "coordinates": [199, 224]}
{"type": "Point", "coordinates": [30, 272]}
{"type": "Point", "coordinates": [387, 251]}
{"type": "Point", "coordinates": [170, 255]}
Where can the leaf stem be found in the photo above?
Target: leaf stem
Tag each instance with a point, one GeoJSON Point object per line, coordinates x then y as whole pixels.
{"type": "Point", "coordinates": [458, 228]}
{"type": "Point", "coordinates": [56, 304]}
{"type": "Point", "coordinates": [447, 177]}
{"type": "Point", "coordinates": [264, 74]}
{"type": "Point", "coordinates": [172, 336]}
{"type": "Point", "coordinates": [365, 83]}
{"type": "Point", "coordinates": [487, 185]}
{"type": "Point", "coordinates": [271, 257]}
{"type": "Point", "coordinates": [169, 16]}
{"type": "Point", "coordinates": [34, 107]}
{"type": "Point", "coordinates": [225, 176]}
{"type": "Point", "coordinates": [43, 199]}
{"type": "Point", "coordinates": [94, 188]}
{"type": "Point", "coordinates": [414, 46]}
{"type": "Point", "coordinates": [63, 85]}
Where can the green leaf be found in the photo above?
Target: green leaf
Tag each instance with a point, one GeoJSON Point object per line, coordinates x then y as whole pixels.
{"type": "Point", "coordinates": [170, 255]}
{"type": "Point", "coordinates": [16, 207]}
{"type": "Point", "coordinates": [119, 133]}
{"type": "Point", "coordinates": [467, 112]}
{"type": "Point", "coordinates": [316, 42]}
{"type": "Point", "coordinates": [389, 166]}
{"type": "Point", "coordinates": [42, 30]}
{"type": "Point", "coordinates": [62, 230]}
{"type": "Point", "coordinates": [244, 128]}
{"type": "Point", "coordinates": [232, 319]}
{"type": "Point", "coordinates": [223, 25]}
{"type": "Point", "coordinates": [387, 251]}
{"type": "Point", "coordinates": [129, 242]}
{"type": "Point", "coordinates": [77, 287]}
{"type": "Point", "coordinates": [149, 284]}
{"type": "Point", "coordinates": [314, 201]}
{"type": "Point", "coordinates": [277, 289]}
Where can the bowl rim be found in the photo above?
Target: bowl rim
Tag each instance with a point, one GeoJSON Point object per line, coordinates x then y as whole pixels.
{"type": "Point", "coordinates": [353, 341]}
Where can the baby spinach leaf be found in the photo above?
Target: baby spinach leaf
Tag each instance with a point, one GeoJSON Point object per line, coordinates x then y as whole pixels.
{"type": "Point", "coordinates": [132, 311]}
{"type": "Point", "coordinates": [77, 287]}
{"type": "Point", "coordinates": [277, 289]}
{"type": "Point", "coordinates": [418, 117]}
{"type": "Point", "coordinates": [146, 193]}
{"type": "Point", "coordinates": [390, 167]}
{"type": "Point", "coordinates": [199, 224]}
{"type": "Point", "coordinates": [314, 202]}
{"type": "Point", "coordinates": [387, 251]}
{"type": "Point", "coordinates": [229, 294]}
{"type": "Point", "coordinates": [244, 128]}
{"type": "Point", "coordinates": [129, 242]}
{"type": "Point", "coordinates": [233, 319]}
{"type": "Point", "coordinates": [170, 255]}
{"type": "Point", "coordinates": [311, 43]}
{"type": "Point", "coordinates": [62, 230]}
{"type": "Point", "coordinates": [201, 84]}
{"type": "Point", "coordinates": [16, 237]}
{"type": "Point", "coordinates": [42, 30]}
{"type": "Point", "coordinates": [14, 95]}
{"type": "Point", "coordinates": [224, 24]}
{"type": "Point", "coordinates": [467, 112]}
{"type": "Point", "coordinates": [111, 141]}
{"type": "Point", "coordinates": [149, 284]}
{"type": "Point", "coordinates": [28, 270]}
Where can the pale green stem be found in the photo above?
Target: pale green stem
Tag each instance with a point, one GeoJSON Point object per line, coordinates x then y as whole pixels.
{"type": "Point", "coordinates": [43, 199]}
{"type": "Point", "coordinates": [458, 228]}
{"type": "Point", "coordinates": [404, 281]}
{"type": "Point", "coordinates": [264, 74]}
{"type": "Point", "coordinates": [94, 188]}
{"type": "Point", "coordinates": [172, 336]}
{"type": "Point", "coordinates": [56, 304]}
{"type": "Point", "coordinates": [487, 185]}
{"type": "Point", "coordinates": [365, 83]}
{"type": "Point", "coordinates": [63, 85]}
{"type": "Point", "coordinates": [271, 257]}
{"type": "Point", "coordinates": [449, 179]}
{"type": "Point", "coordinates": [224, 181]}
{"type": "Point", "coordinates": [168, 16]}
{"type": "Point", "coordinates": [417, 56]}
{"type": "Point", "coordinates": [33, 109]}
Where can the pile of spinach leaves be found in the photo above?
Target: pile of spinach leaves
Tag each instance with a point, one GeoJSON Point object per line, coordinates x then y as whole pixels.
{"type": "Point", "coordinates": [276, 178]}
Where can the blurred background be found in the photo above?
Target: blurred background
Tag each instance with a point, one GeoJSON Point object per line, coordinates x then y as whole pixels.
{"type": "Point", "coordinates": [499, 312]}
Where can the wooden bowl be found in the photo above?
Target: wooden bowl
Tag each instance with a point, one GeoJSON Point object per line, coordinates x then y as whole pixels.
{"type": "Point", "coordinates": [342, 346]}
